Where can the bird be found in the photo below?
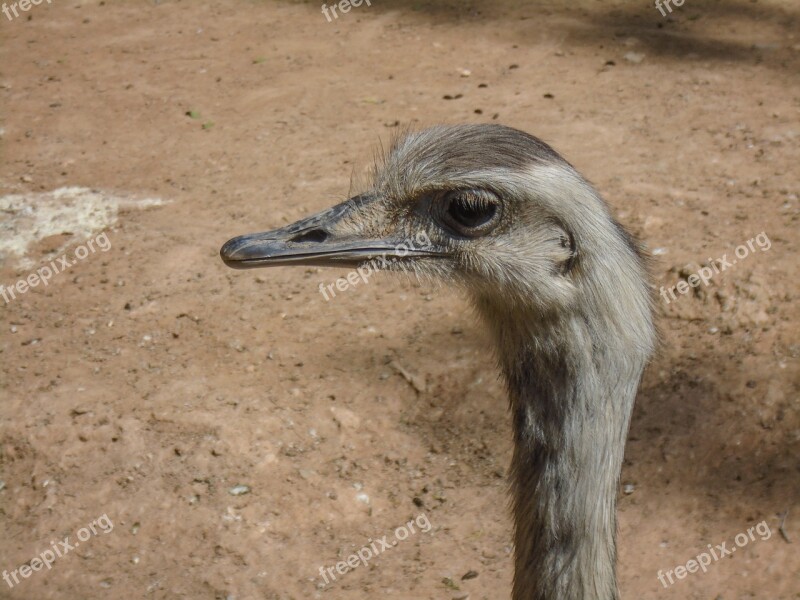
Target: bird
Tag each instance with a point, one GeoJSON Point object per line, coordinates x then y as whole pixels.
{"type": "Point", "coordinates": [565, 292]}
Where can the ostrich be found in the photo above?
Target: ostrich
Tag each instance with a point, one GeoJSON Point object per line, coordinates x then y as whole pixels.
{"type": "Point", "coordinates": [563, 289]}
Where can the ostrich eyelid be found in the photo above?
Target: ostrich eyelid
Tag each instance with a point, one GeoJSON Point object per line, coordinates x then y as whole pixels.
{"type": "Point", "coordinates": [443, 203]}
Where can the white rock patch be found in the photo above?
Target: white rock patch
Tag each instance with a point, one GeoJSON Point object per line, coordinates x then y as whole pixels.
{"type": "Point", "coordinates": [28, 218]}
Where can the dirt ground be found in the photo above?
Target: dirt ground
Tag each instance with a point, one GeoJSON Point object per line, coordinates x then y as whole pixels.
{"type": "Point", "coordinates": [149, 383]}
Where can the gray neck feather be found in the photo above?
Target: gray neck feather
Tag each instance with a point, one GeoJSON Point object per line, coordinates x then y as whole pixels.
{"type": "Point", "coordinates": [571, 397]}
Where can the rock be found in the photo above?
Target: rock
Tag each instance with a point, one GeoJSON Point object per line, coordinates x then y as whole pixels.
{"type": "Point", "coordinates": [345, 419]}
{"type": "Point", "coordinates": [239, 490]}
{"type": "Point", "coordinates": [418, 383]}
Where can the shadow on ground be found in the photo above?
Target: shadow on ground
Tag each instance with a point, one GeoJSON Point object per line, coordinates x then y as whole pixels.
{"type": "Point", "coordinates": [696, 30]}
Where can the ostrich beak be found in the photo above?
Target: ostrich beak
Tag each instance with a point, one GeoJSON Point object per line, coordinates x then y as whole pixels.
{"type": "Point", "coordinates": [317, 241]}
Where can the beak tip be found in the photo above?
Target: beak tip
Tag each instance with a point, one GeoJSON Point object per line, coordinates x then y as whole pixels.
{"type": "Point", "coordinates": [228, 253]}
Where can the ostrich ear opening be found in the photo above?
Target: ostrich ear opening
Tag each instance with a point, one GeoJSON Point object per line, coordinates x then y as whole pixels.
{"type": "Point", "coordinates": [317, 241]}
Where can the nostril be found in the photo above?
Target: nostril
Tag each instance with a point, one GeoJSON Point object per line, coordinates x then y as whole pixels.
{"type": "Point", "coordinates": [314, 235]}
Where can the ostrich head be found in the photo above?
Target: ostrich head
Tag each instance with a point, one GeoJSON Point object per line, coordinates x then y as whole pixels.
{"type": "Point", "coordinates": [564, 290]}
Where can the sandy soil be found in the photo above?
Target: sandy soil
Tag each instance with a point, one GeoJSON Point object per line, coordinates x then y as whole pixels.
{"type": "Point", "coordinates": [148, 381]}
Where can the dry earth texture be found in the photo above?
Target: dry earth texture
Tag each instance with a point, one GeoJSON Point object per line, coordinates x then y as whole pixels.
{"type": "Point", "coordinates": [229, 433]}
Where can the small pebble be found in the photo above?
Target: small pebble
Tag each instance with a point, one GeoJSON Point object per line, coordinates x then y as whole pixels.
{"type": "Point", "coordinates": [239, 490]}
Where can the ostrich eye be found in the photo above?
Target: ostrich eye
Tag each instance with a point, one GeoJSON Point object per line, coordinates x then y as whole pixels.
{"type": "Point", "coordinates": [469, 212]}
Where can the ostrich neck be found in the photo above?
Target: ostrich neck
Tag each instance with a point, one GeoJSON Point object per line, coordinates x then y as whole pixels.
{"type": "Point", "coordinates": [571, 396]}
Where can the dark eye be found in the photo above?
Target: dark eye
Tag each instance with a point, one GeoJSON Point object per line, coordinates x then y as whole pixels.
{"type": "Point", "coordinates": [469, 212]}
